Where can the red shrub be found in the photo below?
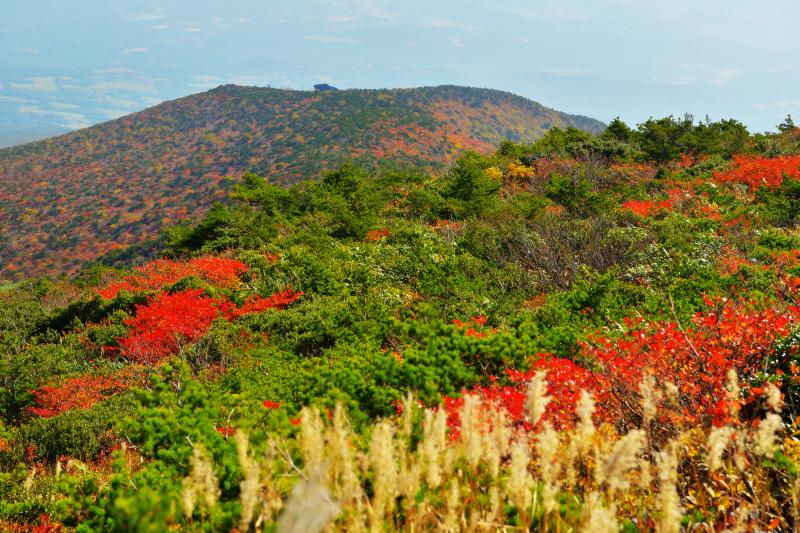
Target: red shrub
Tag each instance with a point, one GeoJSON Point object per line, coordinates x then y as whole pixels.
{"type": "Point", "coordinates": [686, 161]}
{"type": "Point", "coordinates": [565, 381]}
{"type": "Point", "coordinates": [218, 271]}
{"type": "Point", "coordinates": [469, 327]}
{"type": "Point", "coordinates": [76, 393]}
{"type": "Point", "coordinates": [257, 304]}
{"type": "Point", "coordinates": [155, 275]}
{"type": "Point", "coordinates": [644, 208]}
{"type": "Point", "coordinates": [169, 321]}
{"type": "Point", "coordinates": [695, 360]}
{"type": "Point", "coordinates": [755, 171]}
{"type": "Point", "coordinates": [44, 526]}
{"type": "Point", "coordinates": [226, 431]}
{"type": "Point", "coordinates": [166, 323]}
{"type": "Point", "coordinates": [445, 224]}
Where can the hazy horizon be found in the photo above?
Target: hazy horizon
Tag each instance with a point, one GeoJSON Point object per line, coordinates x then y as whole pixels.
{"type": "Point", "coordinates": [73, 63]}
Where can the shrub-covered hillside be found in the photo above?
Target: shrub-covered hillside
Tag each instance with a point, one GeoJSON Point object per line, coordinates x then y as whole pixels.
{"type": "Point", "coordinates": [73, 198]}
{"type": "Point", "coordinates": [586, 333]}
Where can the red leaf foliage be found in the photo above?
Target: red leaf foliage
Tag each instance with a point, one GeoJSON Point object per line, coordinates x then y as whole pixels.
{"type": "Point", "coordinates": [226, 431]}
{"type": "Point", "coordinates": [470, 327]}
{"type": "Point", "coordinates": [218, 271]}
{"type": "Point", "coordinates": [693, 361]}
{"type": "Point", "coordinates": [166, 323]}
{"type": "Point", "coordinates": [565, 381]}
{"type": "Point", "coordinates": [76, 393]}
{"type": "Point", "coordinates": [445, 224]}
{"type": "Point", "coordinates": [644, 208]}
{"type": "Point", "coordinates": [696, 360]}
{"type": "Point", "coordinates": [257, 304]}
{"type": "Point", "coordinates": [755, 171]}
{"type": "Point", "coordinates": [169, 321]}
{"type": "Point", "coordinates": [375, 235]}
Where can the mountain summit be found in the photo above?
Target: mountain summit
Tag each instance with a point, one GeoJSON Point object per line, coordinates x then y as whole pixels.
{"type": "Point", "coordinates": [78, 196]}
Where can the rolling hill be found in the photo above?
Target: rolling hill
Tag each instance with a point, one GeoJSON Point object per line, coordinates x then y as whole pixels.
{"type": "Point", "coordinates": [78, 196]}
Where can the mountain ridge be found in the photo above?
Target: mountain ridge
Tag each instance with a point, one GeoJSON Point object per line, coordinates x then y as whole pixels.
{"type": "Point", "coordinates": [585, 122]}
{"type": "Point", "coordinates": [74, 197]}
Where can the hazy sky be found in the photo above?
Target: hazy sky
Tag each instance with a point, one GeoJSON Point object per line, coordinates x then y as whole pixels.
{"type": "Point", "coordinates": [71, 63]}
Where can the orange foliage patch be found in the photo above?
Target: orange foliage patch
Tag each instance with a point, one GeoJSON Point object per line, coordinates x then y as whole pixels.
{"type": "Point", "coordinates": [218, 271]}
{"type": "Point", "coordinates": [691, 367]}
{"type": "Point", "coordinates": [537, 301]}
{"type": "Point", "coordinates": [77, 393]}
{"type": "Point", "coordinates": [644, 208]}
{"type": "Point", "coordinates": [375, 235]}
{"type": "Point", "coordinates": [755, 171]}
{"type": "Point", "coordinates": [786, 258]}
{"type": "Point", "coordinates": [170, 321]}
{"type": "Point", "coordinates": [166, 323]}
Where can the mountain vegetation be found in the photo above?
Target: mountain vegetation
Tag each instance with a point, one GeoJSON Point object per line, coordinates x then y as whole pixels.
{"type": "Point", "coordinates": [104, 189]}
{"type": "Point", "coordinates": [580, 333]}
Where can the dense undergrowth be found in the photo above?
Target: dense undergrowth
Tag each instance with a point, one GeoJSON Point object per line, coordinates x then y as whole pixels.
{"type": "Point", "coordinates": [587, 333]}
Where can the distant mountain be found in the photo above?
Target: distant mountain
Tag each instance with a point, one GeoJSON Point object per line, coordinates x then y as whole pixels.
{"type": "Point", "coordinates": [75, 197]}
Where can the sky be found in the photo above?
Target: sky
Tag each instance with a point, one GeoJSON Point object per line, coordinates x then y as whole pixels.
{"type": "Point", "coordinates": [67, 64]}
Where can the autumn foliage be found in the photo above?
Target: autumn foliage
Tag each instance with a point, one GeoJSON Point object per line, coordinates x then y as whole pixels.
{"type": "Point", "coordinates": [476, 327]}
{"type": "Point", "coordinates": [756, 171]}
{"type": "Point", "coordinates": [695, 360]}
{"type": "Point", "coordinates": [257, 304]}
{"type": "Point", "coordinates": [218, 271]}
{"type": "Point", "coordinates": [75, 393]}
{"type": "Point", "coordinates": [691, 364]}
{"type": "Point", "coordinates": [565, 380]}
{"type": "Point", "coordinates": [376, 235]}
{"type": "Point", "coordinates": [645, 208]}
{"type": "Point", "coordinates": [119, 184]}
{"type": "Point", "coordinates": [603, 342]}
{"type": "Point", "coordinates": [167, 322]}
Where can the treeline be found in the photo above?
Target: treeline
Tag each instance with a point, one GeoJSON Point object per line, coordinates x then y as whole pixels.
{"type": "Point", "coordinates": [662, 140]}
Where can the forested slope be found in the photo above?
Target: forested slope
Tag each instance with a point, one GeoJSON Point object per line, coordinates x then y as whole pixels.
{"type": "Point", "coordinates": [75, 197]}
